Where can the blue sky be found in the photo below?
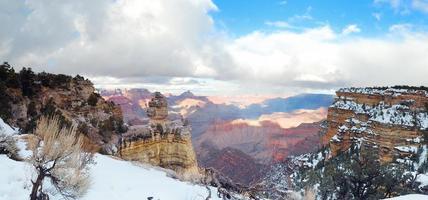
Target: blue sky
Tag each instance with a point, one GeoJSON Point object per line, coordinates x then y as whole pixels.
{"type": "Point", "coordinates": [373, 17]}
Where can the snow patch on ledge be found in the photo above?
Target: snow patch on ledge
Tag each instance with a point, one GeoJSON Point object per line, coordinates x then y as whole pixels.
{"type": "Point", "coordinates": [384, 91]}
{"type": "Point", "coordinates": [407, 149]}
{"type": "Point", "coordinates": [335, 138]}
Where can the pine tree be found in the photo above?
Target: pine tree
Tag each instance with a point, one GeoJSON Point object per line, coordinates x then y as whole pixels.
{"type": "Point", "coordinates": [27, 78]}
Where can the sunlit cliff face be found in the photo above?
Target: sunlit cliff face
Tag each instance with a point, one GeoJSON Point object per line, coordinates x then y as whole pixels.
{"type": "Point", "coordinates": [287, 120]}
{"type": "Point", "coordinates": [241, 100]}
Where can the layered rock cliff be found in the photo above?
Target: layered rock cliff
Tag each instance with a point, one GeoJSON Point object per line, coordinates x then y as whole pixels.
{"type": "Point", "coordinates": [162, 142]}
{"type": "Point", "coordinates": [393, 120]}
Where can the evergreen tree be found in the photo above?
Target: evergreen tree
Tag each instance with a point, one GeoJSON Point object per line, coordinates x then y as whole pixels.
{"type": "Point", "coordinates": [8, 76]}
{"type": "Point", "coordinates": [358, 174]}
{"type": "Point", "coordinates": [27, 78]}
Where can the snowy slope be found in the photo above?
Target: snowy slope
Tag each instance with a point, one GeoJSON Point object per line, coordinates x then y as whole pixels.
{"type": "Point", "coordinates": [111, 179]}
{"type": "Point", "coordinates": [14, 179]}
{"type": "Point", "coordinates": [116, 179]}
{"type": "Point", "coordinates": [411, 197]}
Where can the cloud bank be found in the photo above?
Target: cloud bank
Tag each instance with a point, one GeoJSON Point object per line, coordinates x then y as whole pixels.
{"type": "Point", "coordinates": [129, 41]}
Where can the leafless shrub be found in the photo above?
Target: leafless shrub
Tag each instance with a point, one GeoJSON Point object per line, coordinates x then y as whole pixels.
{"type": "Point", "coordinates": [58, 156]}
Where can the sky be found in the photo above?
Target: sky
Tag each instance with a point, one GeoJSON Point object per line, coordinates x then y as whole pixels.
{"type": "Point", "coordinates": [221, 47]}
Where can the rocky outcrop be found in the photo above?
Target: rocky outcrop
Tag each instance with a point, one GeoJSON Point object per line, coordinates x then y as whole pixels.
{"type": "Point", "coordinates": [162, 142]}
{"type": "Point", "coordinates": [28, 96]}
{"type": "Point", "coordinates": [393, 120]}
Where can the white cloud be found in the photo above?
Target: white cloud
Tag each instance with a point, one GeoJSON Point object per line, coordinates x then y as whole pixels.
{"type": "Point", "coordinates": [321, 58]}
{"type": "Point", "coordinates": [126, 38]}
{"type": "Point", "coordinates": [125, 42]}
{"type": "Point", "coordinates": [352, 28]}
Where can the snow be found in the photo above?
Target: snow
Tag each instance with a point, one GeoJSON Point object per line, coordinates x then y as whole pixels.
{"type": "Point", "coordinates": [318, 159]}
{"type": "Point", "coordinates": [335, 138]}
{"type": "Point", "coordinates": [6, 129]}
{"type": "Point", "coordinates": [411, 197]}
{"type": "Point", "coordinates": [415, 140]}
{"type": "Point", "coordinates": [407, 149]}
{"type": "Point", "coordinates": [116, 179]}
{"type": "Point", "coordinates": [423, 179]}
{"type": "Point", "coordinates": [404, 161]}
{"type": "Point", "coordinates": [310, 160]}
{"type": "Point", "coordinates": [395, 114]}
{"type": "Point", "coordinates": [398, 114]}
{"type": "Point", "coordinates": [383, 91]}
{"type": "Point", "coordinates": [423, 120]}
{"type": "Point", "coordinates": [14, 179]}
{"type": "Point", "coordinates": [422, 157]}
{"type": "Point", "coordinates": [22, 146]}
{"type": "Point", "coordinates": [350, 105]}
{"type": "Point", "coordinates": [111, 179]}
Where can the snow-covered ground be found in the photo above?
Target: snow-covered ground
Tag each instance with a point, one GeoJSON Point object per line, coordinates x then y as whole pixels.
{"type": "Point", "coordinates": [411, 197]}
{"type": "Point", "coordinates": [14, 179]}
{"type": "Point", "coordinates": [110, 179]}
{"type": "Point", "coordinates": [116, 179]}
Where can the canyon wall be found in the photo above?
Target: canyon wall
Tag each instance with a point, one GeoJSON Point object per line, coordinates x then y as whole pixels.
{"type": "Point", "coordinates": [393, 120]}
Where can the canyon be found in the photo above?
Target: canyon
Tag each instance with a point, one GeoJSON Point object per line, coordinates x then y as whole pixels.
{"type": "Point", "coordinates": [229, 137]}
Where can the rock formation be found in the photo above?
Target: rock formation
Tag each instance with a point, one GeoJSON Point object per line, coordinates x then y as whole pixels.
{"type": "Point", "coordinates": [393, 120]}
{"type": "Point", "coordinates": [162, 142]}
{"type": "Point", "coordinates": [28, 95]}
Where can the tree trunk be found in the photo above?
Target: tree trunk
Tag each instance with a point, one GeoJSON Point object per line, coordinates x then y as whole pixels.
{"type": "Point", "coordinates": [36, 186]}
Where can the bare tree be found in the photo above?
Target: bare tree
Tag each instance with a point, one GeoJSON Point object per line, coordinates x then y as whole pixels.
{"type": "Point", "coordinates": [58, 157]}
